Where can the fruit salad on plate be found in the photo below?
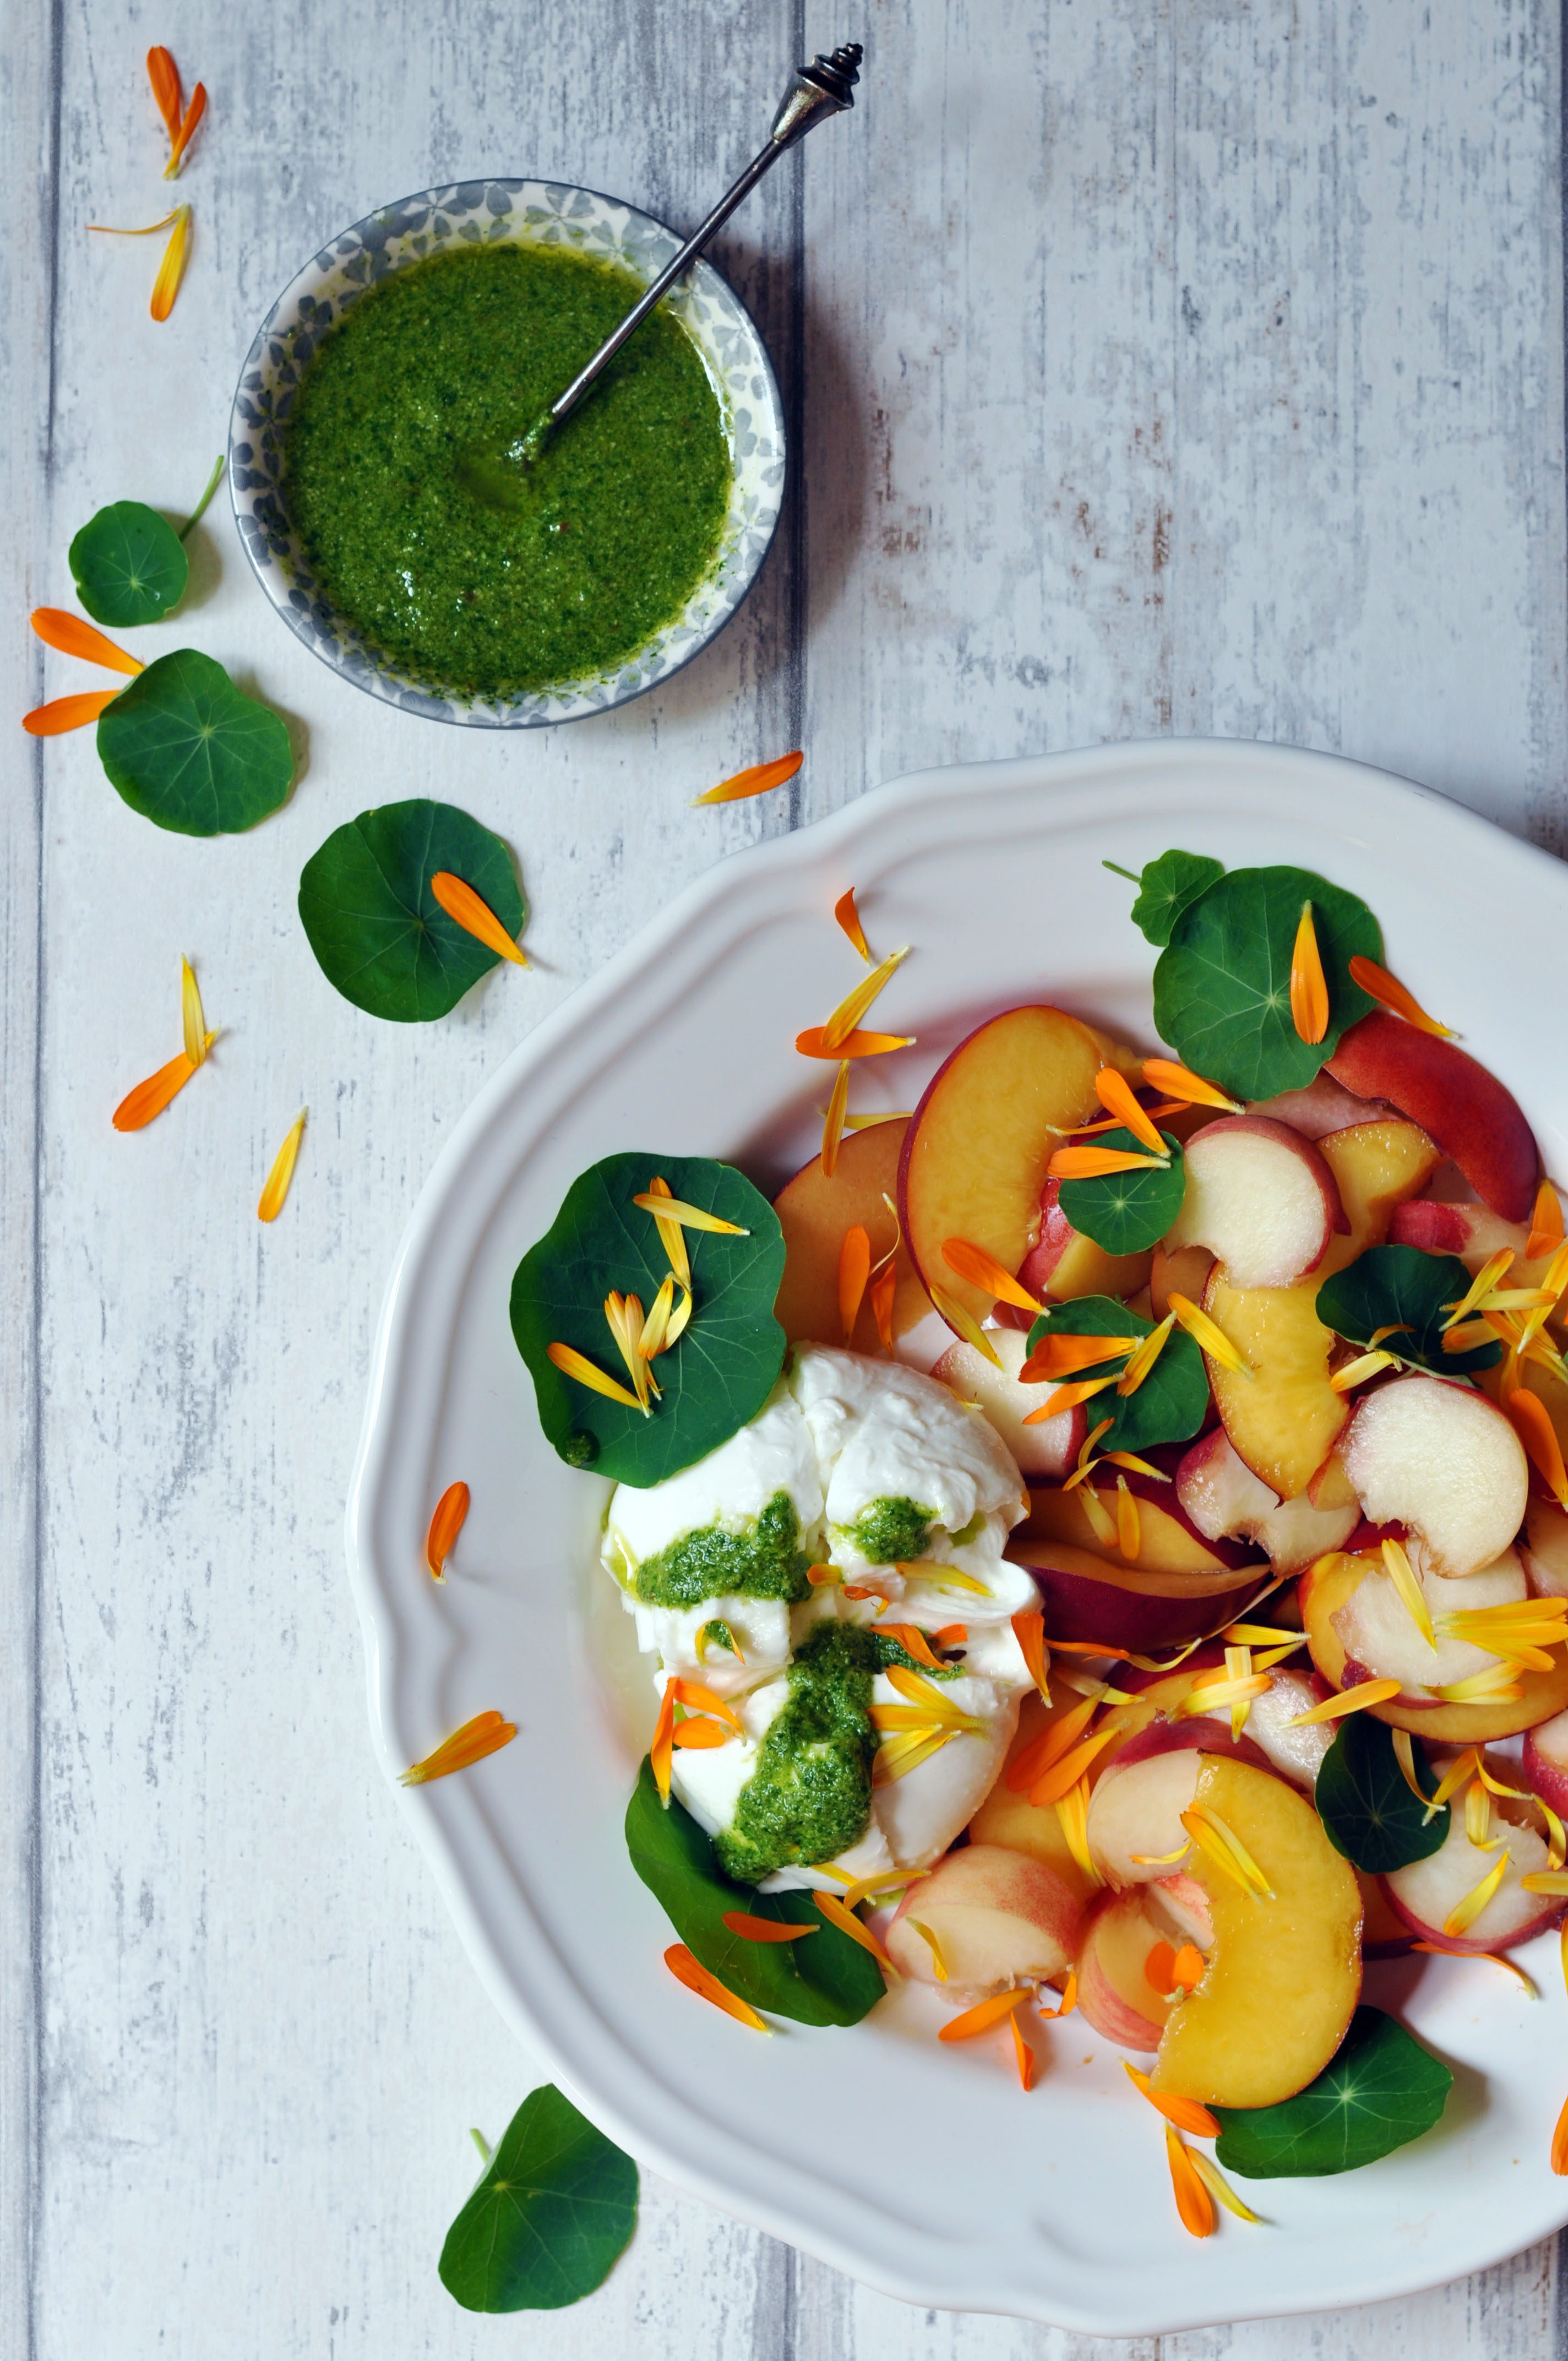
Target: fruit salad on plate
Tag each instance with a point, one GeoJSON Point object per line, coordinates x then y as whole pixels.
{"type": "Point", "coordinates": [1100, 1542]}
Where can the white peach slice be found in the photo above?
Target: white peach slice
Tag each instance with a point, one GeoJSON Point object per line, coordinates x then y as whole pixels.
{"type": "Point", "coordinates": [1545, 1762]}
{"type": "Point", "coordinates": [1440, 1458]}
{"type": "Point", "coordinates": [1425, 1893]}
{"type": "Point", "coordinates": [1296, 1754]}
{"type": "Point", "coordinates": [1047, 1449]}
{"type": "Point", "coordinates": [999, 1918]}
{"type": "Point", "coordinates": [1324, 1105]}
{"type": "Point", "coordinates": [1134, 1830]}
{"type": "Point", "coordinates": [1227, 1502]}
{"type": "Point", "coordinates": [1381, 1642]}
{"type": "Point", "coordinates": [1119, 1932]}
{"type": "Point", "coordinates": [1544, 1549]}
{"type": "Point", "coordinates": [1261, 1198]}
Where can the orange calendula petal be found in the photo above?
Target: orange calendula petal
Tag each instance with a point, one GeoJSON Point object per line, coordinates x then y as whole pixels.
{"type": "Point", "coordinates": [1068, 2001]}
{"type": "Point", "coordinates": [1545, 1224]}
{"type": "Point", "coordinates": [1532, 1425]}
{"type": "Point", "coordinates": [1114, 1093]}
{"type": "Point", "coordinates": [164, 75]}
{"type": "Point", "coordinates": [984, 1270]}
{"type": "Point", "coordinates": [1095, 1163]}
{"type": "Point", "coordinates": [688, 1970]}
{"type": "Point", "coordinates": [884, 1289]}
{"type": "Point", "coordinates": [1309, 985]}
{"type": "Point", "coordinates": [1029, 1630]}
{"type": "Point", "coordinates": [856, 1930]}
{"type": "Point", "coordinates": [705, 1700]}
{"type": "Point", "coordinates": [1054, 1783]}
{"type": "Point", "coordinates": [275, 1188]}
{"type": "Point", "coordinates": [765, 1930]}
{"type": "Point", "coordinates": [983, 2015]}
{"type": "Point", "coordinates": [1159, 1967]}
{"type": "Point", "coordinates": [58, 628]}
{"type": "Point", "coordinates": [172, 269]}
{"type": "Point", "coordinates": [914, 1642]}
{"type": "Point", "coordinates": [1380, 985]}
{"type": "Point", "coordinates": [1187, 1967]}
{"type": "Point", "coordinates": [663, 1744]}
{"type": "Point", "coordinates": [854, 1270]}
{"type": "Point", "coordinates": [833, 1120]}
{"type": "Point", "coordinates": [1023, 2056]}
{"type": "Point", "coordinates": [700, 1732]}
{"type": "Point", "coordinates": [1560, 2142]}
{"type": "Point", "coordinates": [814, 1043]}
{"type": "Point", "coordinates": [445, 1527]}
{"type": "Point", "coordinates": [485, 1734]}
{"type": "Point", "coordinates": [1187, 2115]}
{"type": "Point", "coordinates": [854, 1005]}
{"type": "Point", "coordinates": [466, 909]}
{"type": "Point", "coordinates": [1066, 1398]}
{"type": "Point", "coordinates": [754, 780]}
{"type": "Point", "coordinates": [1129, 1526]}
{"type": "Point", "coordinates": [1062, 1356]}
{"type": "Point", "coordinates": [1182, 1083]}
{"type": "Point", "coordinates": [1193, 2203]}
{"type": "Point", "coordinates": [62, 713]}
{"type": "Point", "coordinates": [573, 1364]}
{"type": "Point", "coordinates": [848, 918]}
{"type": "Point", "coordinates": [139, 1107]}
{"type": "Point", "coordinates": [182, 137]}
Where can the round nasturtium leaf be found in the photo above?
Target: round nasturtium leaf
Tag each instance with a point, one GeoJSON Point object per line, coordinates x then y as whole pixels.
{"type": "Point", "coordinates": [128, 565]}
{"type": "Point", "coordinates": [1125, 1212]}
{"type": "Point", "coordinates": [379, 934]}
{"type": "Point", "coordinates": [1410, 1292]}
{"type": "Point", "coordinates": [1222, 986]}
{"type": "Point", "coordinates": [190, 752]}
{"type": "Point", "coordinates": [1168, 1407]}
{"type": "Point", "coordinates": [719, 1373]}
{"type": "Point", "coordinates": [1380, 2091]}
{"type": "Point", "coordinates": [1365, 1802]}
{"type": "Point", "coordinates": [554, 2207]}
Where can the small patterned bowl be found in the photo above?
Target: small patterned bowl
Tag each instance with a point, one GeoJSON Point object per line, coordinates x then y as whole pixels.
{"type": "Point", "coordinates": [544, 212]}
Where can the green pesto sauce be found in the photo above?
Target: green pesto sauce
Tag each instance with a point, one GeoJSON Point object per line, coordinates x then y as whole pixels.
{"type": "Point", "coordinates": [810, 1796]}
{"type": "Point", "coordinates": [624, 506]}
{"type": "Point", "coordinates": [892, 1529]}
{"type": "Point", "coordinates": [763, 1560]}
{"type": "Point", "coordinates": [716, 1634]}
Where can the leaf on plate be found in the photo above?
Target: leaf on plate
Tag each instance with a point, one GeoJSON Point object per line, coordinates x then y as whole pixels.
{"type": "Point", "coordinates": [1365, 1803]}
{"type": "Point", "coordinates": [1402, 1287]}
{"type": "Point", "coordinates": [1170, 1404]}
{"type": "Point", "coordinates": [1167, 888]}
{"type": "Point", "coordinates": [1379, 2092]}
{"type": "Point", "coordinates": [1222, 986]}
{"type": "Point", "coordinates": [190, 752]}
{"type": "Point", "coordinates": [828, 1980]}
{"type": "Point", "coordinates": [1125, 1212]}
{"type": "Point", "coordinates": [721, 1368]}
{"type": "Point", "coordinates": [379, 934]}
{"type": "Point", "coordinates": [553, 2209]}
{"type": "Point", "coordinates": [128, 565]}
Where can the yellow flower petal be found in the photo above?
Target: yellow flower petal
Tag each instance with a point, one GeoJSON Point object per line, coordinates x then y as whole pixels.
{"type": "Point", "coordinates": [276, 1187]}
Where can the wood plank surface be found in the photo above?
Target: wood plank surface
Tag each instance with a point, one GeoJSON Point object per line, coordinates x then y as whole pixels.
{"type": "Point", "coordinates": [1150, 367]}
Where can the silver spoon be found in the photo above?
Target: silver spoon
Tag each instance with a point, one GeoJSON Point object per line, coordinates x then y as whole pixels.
{"type": "Point", "coordinates": [826, 87]}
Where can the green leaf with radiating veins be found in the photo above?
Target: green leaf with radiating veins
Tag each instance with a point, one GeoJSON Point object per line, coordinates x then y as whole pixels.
{"type": "Point", "coordinates": [1222, 985]}
{"type": "Point", "coordinates": [553, 2209]}
{"type": "Point", "coordinates": [719, 1371]}
{"type": "Point", "coordinates": [1408, 1290]}
{"type": "Point", "coordinates": [130, 565]}
{"type": "Point", "coordinates": [826, 1978]}
{"type": "Point", "coordinates": [1170, 1404]}
{"type": "Point", "coordinates": [1380, 2091]}
{"type": "Point", "coordinates": [1125, 1212]}
{"type": "Point", "coordinates": [190, 752]}
{"type": "Point", "coordinates": [1365, 1802]}
{"type": "Point", "coordinates": [1165, 888]}
{"type": "Point", "coordinates": [378, 933]}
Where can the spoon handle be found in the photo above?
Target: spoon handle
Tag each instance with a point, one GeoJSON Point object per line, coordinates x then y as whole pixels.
{"type": "Point", "coordinates": [816, 91]}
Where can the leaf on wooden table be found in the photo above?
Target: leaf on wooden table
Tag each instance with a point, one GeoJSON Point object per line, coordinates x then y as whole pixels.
{"type": "Point", "coordinates": [128, 565]}
{"type": "Point", "coordinates": [379, 933]}
{"type": "Point", "coordinates": [190, 752]}
{"type": "Point", "coordinates": [554, 2208]}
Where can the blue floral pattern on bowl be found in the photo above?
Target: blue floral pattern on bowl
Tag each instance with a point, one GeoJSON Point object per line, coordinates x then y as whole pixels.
{"type": "Point", "coordinates": [545, 213]}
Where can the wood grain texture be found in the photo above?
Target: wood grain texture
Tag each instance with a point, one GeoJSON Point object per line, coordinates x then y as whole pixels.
{"type": "Point", "coordinates": [1150, 369]}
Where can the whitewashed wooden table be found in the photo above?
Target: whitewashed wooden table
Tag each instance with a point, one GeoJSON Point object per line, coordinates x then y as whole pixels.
{"type": "Point", "coordinates": [1152, 365]}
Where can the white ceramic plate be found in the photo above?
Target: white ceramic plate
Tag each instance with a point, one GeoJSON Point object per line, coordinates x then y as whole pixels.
{"type": "Point", "coordinates": [923, 2170]}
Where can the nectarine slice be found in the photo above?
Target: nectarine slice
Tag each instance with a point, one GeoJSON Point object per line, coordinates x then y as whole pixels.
{"type": "Point", "coordinates": [1382, 1642]}
{"type": "Point", "coordinates": [1439, 1458]}
{"type": "Point", "coordinates": [815, 1212]}
{"type": "Point", "coordinates": [1284, 1975]}
{"type": "Point", "coordinates": [1224, 1499]}
{"type": "Point", "coordinates": [998, 1917]}
{"type": "Point", "coordinates": [974, 1158]}
{"type": "Point", "coordinates": [1467, 1110]}
{"type": "Point", "coordinates": [1167, 1541]}
{"type": "Point", "coordinates": [1063, 1264]}
{"type": "Point", "coordinates": [1425, 1892]}
{"type": "Point", "coordinates": [1261, 1198]}
{"type": "Point", "coordinates": [1324, 1590]}
{"type": "Point", "coordinates": [1085, 1598]}
{"type": "Point", "coordinates": [1047, 1448]}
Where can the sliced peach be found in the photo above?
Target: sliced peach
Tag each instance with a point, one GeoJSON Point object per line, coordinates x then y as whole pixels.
{"type": "Point", "coordinates": [1324, 1105]}
{"type": "Point", "coordinates": [1441, 1459]}
{"type": "Point", "coordinates": [1328, 1587]}
{"type": "Point", "coordinates": [814, 1213]}
{"type": "Point", "coordinates": [998, 1917]}
{"type": "Point", "coordinates": [1135, 1829]}
{"type": "Point", "coordinates": [1168, 1542]}
{"type": "Point", "coordinates": [1377, 1166]}
{"type": "Point", "coordinates": [1259, 1197]}
{"type": "Point", "coordinates": [1087, 1598]}
{"type": "Point", "coordinates": [1063, 1264]}
{"type": "Point", "coordinates": [1384, 1934]}
{"type": "Point", "coordinates": [1118, 1933]}
{"type": "Point", "coordinates": [1226, 1501]}
{"type": "Point", "coordinates": [1544, 1549]}
{"type": "Point", "coordinates": [1467, 1110]}
{"type": "Point", "coordinates": [1296, 1754]}
{"type": "Point", "coordinates": [1007, 1818]}
{"type": "Point", "coordinates": [1186, 1273]}
{"type": "Point", "coordinates": [1284, 1975]}
{"type": "Point", "coordinates": [974, 1158]}
{"type": "Point", "coordinates": [1048, 1448]}
{"type": "Point", "coordinates": [1545, 1762]}
{"type": "Point", "coordinates": [1382, 1643]}
{"type": "Point", "coordinates": [1424, 1893]}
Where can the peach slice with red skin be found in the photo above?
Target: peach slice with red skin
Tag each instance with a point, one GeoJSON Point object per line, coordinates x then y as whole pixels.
{"type": "Point", "coordinates": [1118, 1934]}
{"type": "Point", "coordinates": [1226, 1502]}
{"type": "Point", "coordinates": [1381, 1642]}
{"type": "Point", "coordinates": [1086, 1597]}
{"type": "Point", "coordinates": [1453, 1098]}
{"type": "Point", "coordinates": [1326, 1589]}
{"type": "Point", "coordinates": [1324, 1105]}
{"type": "Point", "coordinates": [1169, 1541]}
{"type": "Point", "coordinates": [974, 1158]}
{"type": "Point", "coordinates": [999, 1918]}
{"type": "Point", "coordinates": [1543, 1547]}
{"type": "Point", "coordinates": [1436, 1457]}
{"type": "Point", "coordinates": [1295, 1754]}
{"type": "Point", "coordinates": [1063, 1264]}
{"type": "Point", "coordinates": [814, 1213]}
{"type": "Point", "coordinates": [1048, 1448]}
{"type": "Point", "coordinates": [1545, 1762]}
{"type": "Point", "coordinates": [1424, 1893]}
{"type": "Point", "coordinates": [1475, 1234]}
{"type": "Point", "coordinates": [1262, 1199]}
{"type": "Point", "coordinates": [1134, 1812]}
